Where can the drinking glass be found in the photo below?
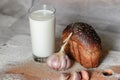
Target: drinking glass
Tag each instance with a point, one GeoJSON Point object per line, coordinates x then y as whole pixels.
{"type": "Point", "coordinates": [42, 30]}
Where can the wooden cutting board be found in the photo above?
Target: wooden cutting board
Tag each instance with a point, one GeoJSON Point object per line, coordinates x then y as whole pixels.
{"type": "Point", "coordinates": [31, 70]}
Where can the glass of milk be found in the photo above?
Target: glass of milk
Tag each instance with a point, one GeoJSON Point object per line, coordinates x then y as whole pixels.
{"type": "Point", "coordinates": [42, 29]}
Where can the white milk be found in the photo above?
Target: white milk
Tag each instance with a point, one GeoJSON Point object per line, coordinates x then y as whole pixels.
{"type": "Point", "coordinates": [42, 26]}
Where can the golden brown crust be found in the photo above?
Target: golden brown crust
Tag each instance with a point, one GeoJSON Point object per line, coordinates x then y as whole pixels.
{"type": "Point", "coordinates": [84, 45]}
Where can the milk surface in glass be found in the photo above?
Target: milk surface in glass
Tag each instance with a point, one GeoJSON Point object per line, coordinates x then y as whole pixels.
{"type": "Point", "coordinates": [42, 28]}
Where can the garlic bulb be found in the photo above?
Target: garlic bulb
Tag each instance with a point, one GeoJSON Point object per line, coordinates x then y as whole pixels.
{"type": "Point", "coordinates": [82, 75]}
{"type": "Point", "coordinates": [60, 60]}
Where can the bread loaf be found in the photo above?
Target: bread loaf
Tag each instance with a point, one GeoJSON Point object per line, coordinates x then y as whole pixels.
{"type": "Point", "coordinates": [84, 45]}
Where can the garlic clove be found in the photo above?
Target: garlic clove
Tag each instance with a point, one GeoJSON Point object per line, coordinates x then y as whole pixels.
{"type": "Point", "coordinates": [65, 76]}
{"type": "Point", "coordinates": [63, 62]}
{"type": "Point", "coordinates": [85, 75]}
{"type": "Point", "coordinates": [75, 76]}
{"type": "Point", "coordinates": [69, 62]}
{"type": "Point", "coordinates": [82, 75]}
{"type": "Point", "coordinates": [71, 76]}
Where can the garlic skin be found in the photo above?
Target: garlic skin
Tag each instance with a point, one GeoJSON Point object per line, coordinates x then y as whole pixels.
{"type": "Point", "coordinates": [82, 75]}
{"type": "Point", "coordinates": [60, 60]}
{"type": "Point", "coordinates": [76, 76]}
{"type": "Point", "coordinates": [85, 75]}
{"type": "Point", "coordinates": [71, 76]}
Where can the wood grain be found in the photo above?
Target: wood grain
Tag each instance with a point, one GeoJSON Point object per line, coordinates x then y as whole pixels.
{"type": "Point", "coordinates": [40, 71]}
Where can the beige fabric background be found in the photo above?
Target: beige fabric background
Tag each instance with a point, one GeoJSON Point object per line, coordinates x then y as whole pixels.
{"type": "Point", "coordinates": [103, 15]}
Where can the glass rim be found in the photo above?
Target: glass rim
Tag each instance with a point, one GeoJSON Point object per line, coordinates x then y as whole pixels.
{"type": "Point", "coordinates": [42, 7]}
